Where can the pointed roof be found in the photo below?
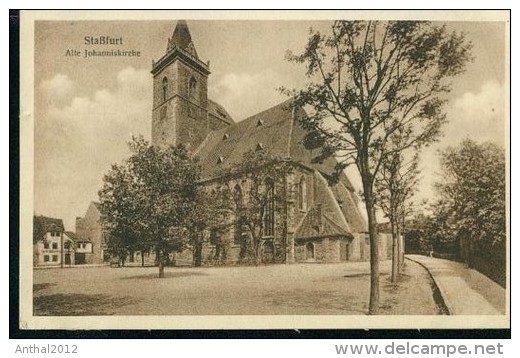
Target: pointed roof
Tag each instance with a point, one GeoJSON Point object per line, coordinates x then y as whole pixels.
{"type": "Point", "coordinates": [181, 35]}
{"type": "Point", "coordinates": [180, 46]}
{"type": "Point", "coordinates": [317, 225]}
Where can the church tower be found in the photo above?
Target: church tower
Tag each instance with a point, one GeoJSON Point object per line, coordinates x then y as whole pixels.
{"type": "Point", "coordinates": [180, 93]}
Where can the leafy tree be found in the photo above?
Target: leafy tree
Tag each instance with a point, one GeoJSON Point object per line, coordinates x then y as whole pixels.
{"type": "Point", "coordinates": [473, 194]}
{"type": "Point", "coordinates": [369, 79]}
{"type": "Point", "coordinates": [149, 197]}
{"type": "Point", "coordinates": [259, 198]}
{"type": "Point", "coordinates": [210, 212]}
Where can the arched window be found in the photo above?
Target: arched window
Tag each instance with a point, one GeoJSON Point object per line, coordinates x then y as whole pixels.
{"type": "Point", "coordinates": [239, 201]}
{"type": "Point", "coordinates": [192, 87]}
{"type": "Point", "coordinates": [163, 112]}
{"type": "Point", "coordinates": [302, 194]}
{"type": "Point", "coordinates": [164, 89]}
{"type": "Point", "coordinates": [269, 208]}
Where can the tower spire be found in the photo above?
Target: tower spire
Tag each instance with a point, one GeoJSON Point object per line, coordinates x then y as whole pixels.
{"type": "Point", "coordinates": [181, 39]}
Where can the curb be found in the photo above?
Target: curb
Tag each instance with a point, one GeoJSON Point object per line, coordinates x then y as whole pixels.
{"type": "Point", "coordinates": [443, 297]}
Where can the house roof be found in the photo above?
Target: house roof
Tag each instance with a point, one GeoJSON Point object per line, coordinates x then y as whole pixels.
{"type": "Point", "coordinates": [43, 224]}
{"type": "Point", "coordinates": [313, 226]}
{"type": "Point", "coordinates": [74, 237]}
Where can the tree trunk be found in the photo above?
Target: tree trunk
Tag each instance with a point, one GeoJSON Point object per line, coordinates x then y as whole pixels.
{"type": "Point", "coordinates": [257, 252]}
{"type": "Point", "coordinates": [395, 251]}
{"type": "Point", "coordinates": [142, 258]}
{"type": "Point", "coordinates": [161, 264]}
{"type": "Point", "coordinates": [197, 252]}
{"type": "Point", "coordinates": [373, 307]}
{"type": "Point", "coordinates": [400, 249]}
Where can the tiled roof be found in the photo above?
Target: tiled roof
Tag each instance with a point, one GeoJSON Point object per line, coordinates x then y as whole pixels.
{"type": "Point", "coordinates": [75, 237]}
{"type": "Point", "coordinates": [219, 111]}
{"type": "Point", "coordinates": [275, 129]}
{"type": "Point", "coordinates": [278, 132]}
{"type": "Point", "coordinates": [232, 142]}
{"type": "Point", "coordinates": [43, 224]}
{"type": "Point", "coordinates": [315, 227]}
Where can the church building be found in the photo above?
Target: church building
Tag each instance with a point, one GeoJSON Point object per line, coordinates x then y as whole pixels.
{"type": "Point", "coordinates": [324, 222]}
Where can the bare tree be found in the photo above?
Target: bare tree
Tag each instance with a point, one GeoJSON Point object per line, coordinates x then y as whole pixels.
{"type": "Point", "coordinates": [369, 79]}
{"type": "Point", "coordinates": [395, 185]}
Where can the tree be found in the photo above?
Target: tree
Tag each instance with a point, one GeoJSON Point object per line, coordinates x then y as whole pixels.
{"type": "Point", "coordinates": [368, 80]}
{"type": "Point", "coordinates": [473, 194]}
{"type": "Point", "coordinates": [209, 213]}
{"type": "Point", "coordinates": [149, 197]}
{"type": "Point", "coordinates": [258, 197]}
{"type": "Point", "coordinates": [395, 184]}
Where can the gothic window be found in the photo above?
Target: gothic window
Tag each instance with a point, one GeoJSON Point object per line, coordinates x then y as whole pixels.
{"type": "Point", "coordinates": [192, 87]}
{"type": "Point", "coordinates": [164, 89]}
{"type": "Point", "coordinates": [239, 201]}
{"type": "Point", "coordinates": [163, 112]}
{"type": "Point", "coordinates": [302, 194]}
{"type": "Point", "coordinates": [269, 208]}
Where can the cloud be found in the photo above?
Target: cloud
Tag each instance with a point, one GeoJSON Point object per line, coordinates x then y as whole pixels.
{"type": "Point", "coordinates": [60, 85]}
{"type": "Point", "coordinates": [245, 94]}
{"type": "Point", "coordinates": [76, 141]}
{"type": "Point", "coordinates": [479, 115]}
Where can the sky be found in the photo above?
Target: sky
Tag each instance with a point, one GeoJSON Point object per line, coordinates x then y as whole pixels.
{"type": "Point", "coordinates": [87, 109]}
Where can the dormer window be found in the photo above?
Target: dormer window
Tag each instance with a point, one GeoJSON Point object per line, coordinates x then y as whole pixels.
{"type": "Point", "coordinates": [192, 87]}
{"type": "Point", "coordinates": [225, 136]}
{"type": "Point", "coordinates": [260, 123]}
{"type": "Point", "coordinates": [220, 160]}
{"type": "Point", "coordinates": [259, 146]}
{"type": "Point", "coordinates": [164, 89]}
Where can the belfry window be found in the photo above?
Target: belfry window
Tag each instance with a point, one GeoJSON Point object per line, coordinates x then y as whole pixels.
{"type": "Point", "coordinates": [164, 89]}
{"type": "Point", "coordinates": [269, 208]}
{"type": "Point", "coordinates": [192, 87]}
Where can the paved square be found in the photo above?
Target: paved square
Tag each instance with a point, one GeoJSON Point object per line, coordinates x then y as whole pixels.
{"type": "Point", "coordinates": [298, 289]}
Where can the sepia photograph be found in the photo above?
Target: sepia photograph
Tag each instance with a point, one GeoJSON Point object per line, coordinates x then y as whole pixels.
{"type": "Point", "coordinates": [305, 169]}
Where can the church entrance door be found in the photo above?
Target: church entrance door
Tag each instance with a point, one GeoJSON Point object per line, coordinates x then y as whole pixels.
{"type": "Point", "coordinates": [309, 251]}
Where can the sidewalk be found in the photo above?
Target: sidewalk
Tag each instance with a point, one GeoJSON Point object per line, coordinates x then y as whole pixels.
{"type": "Point", "coordinates": [465, 291]}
